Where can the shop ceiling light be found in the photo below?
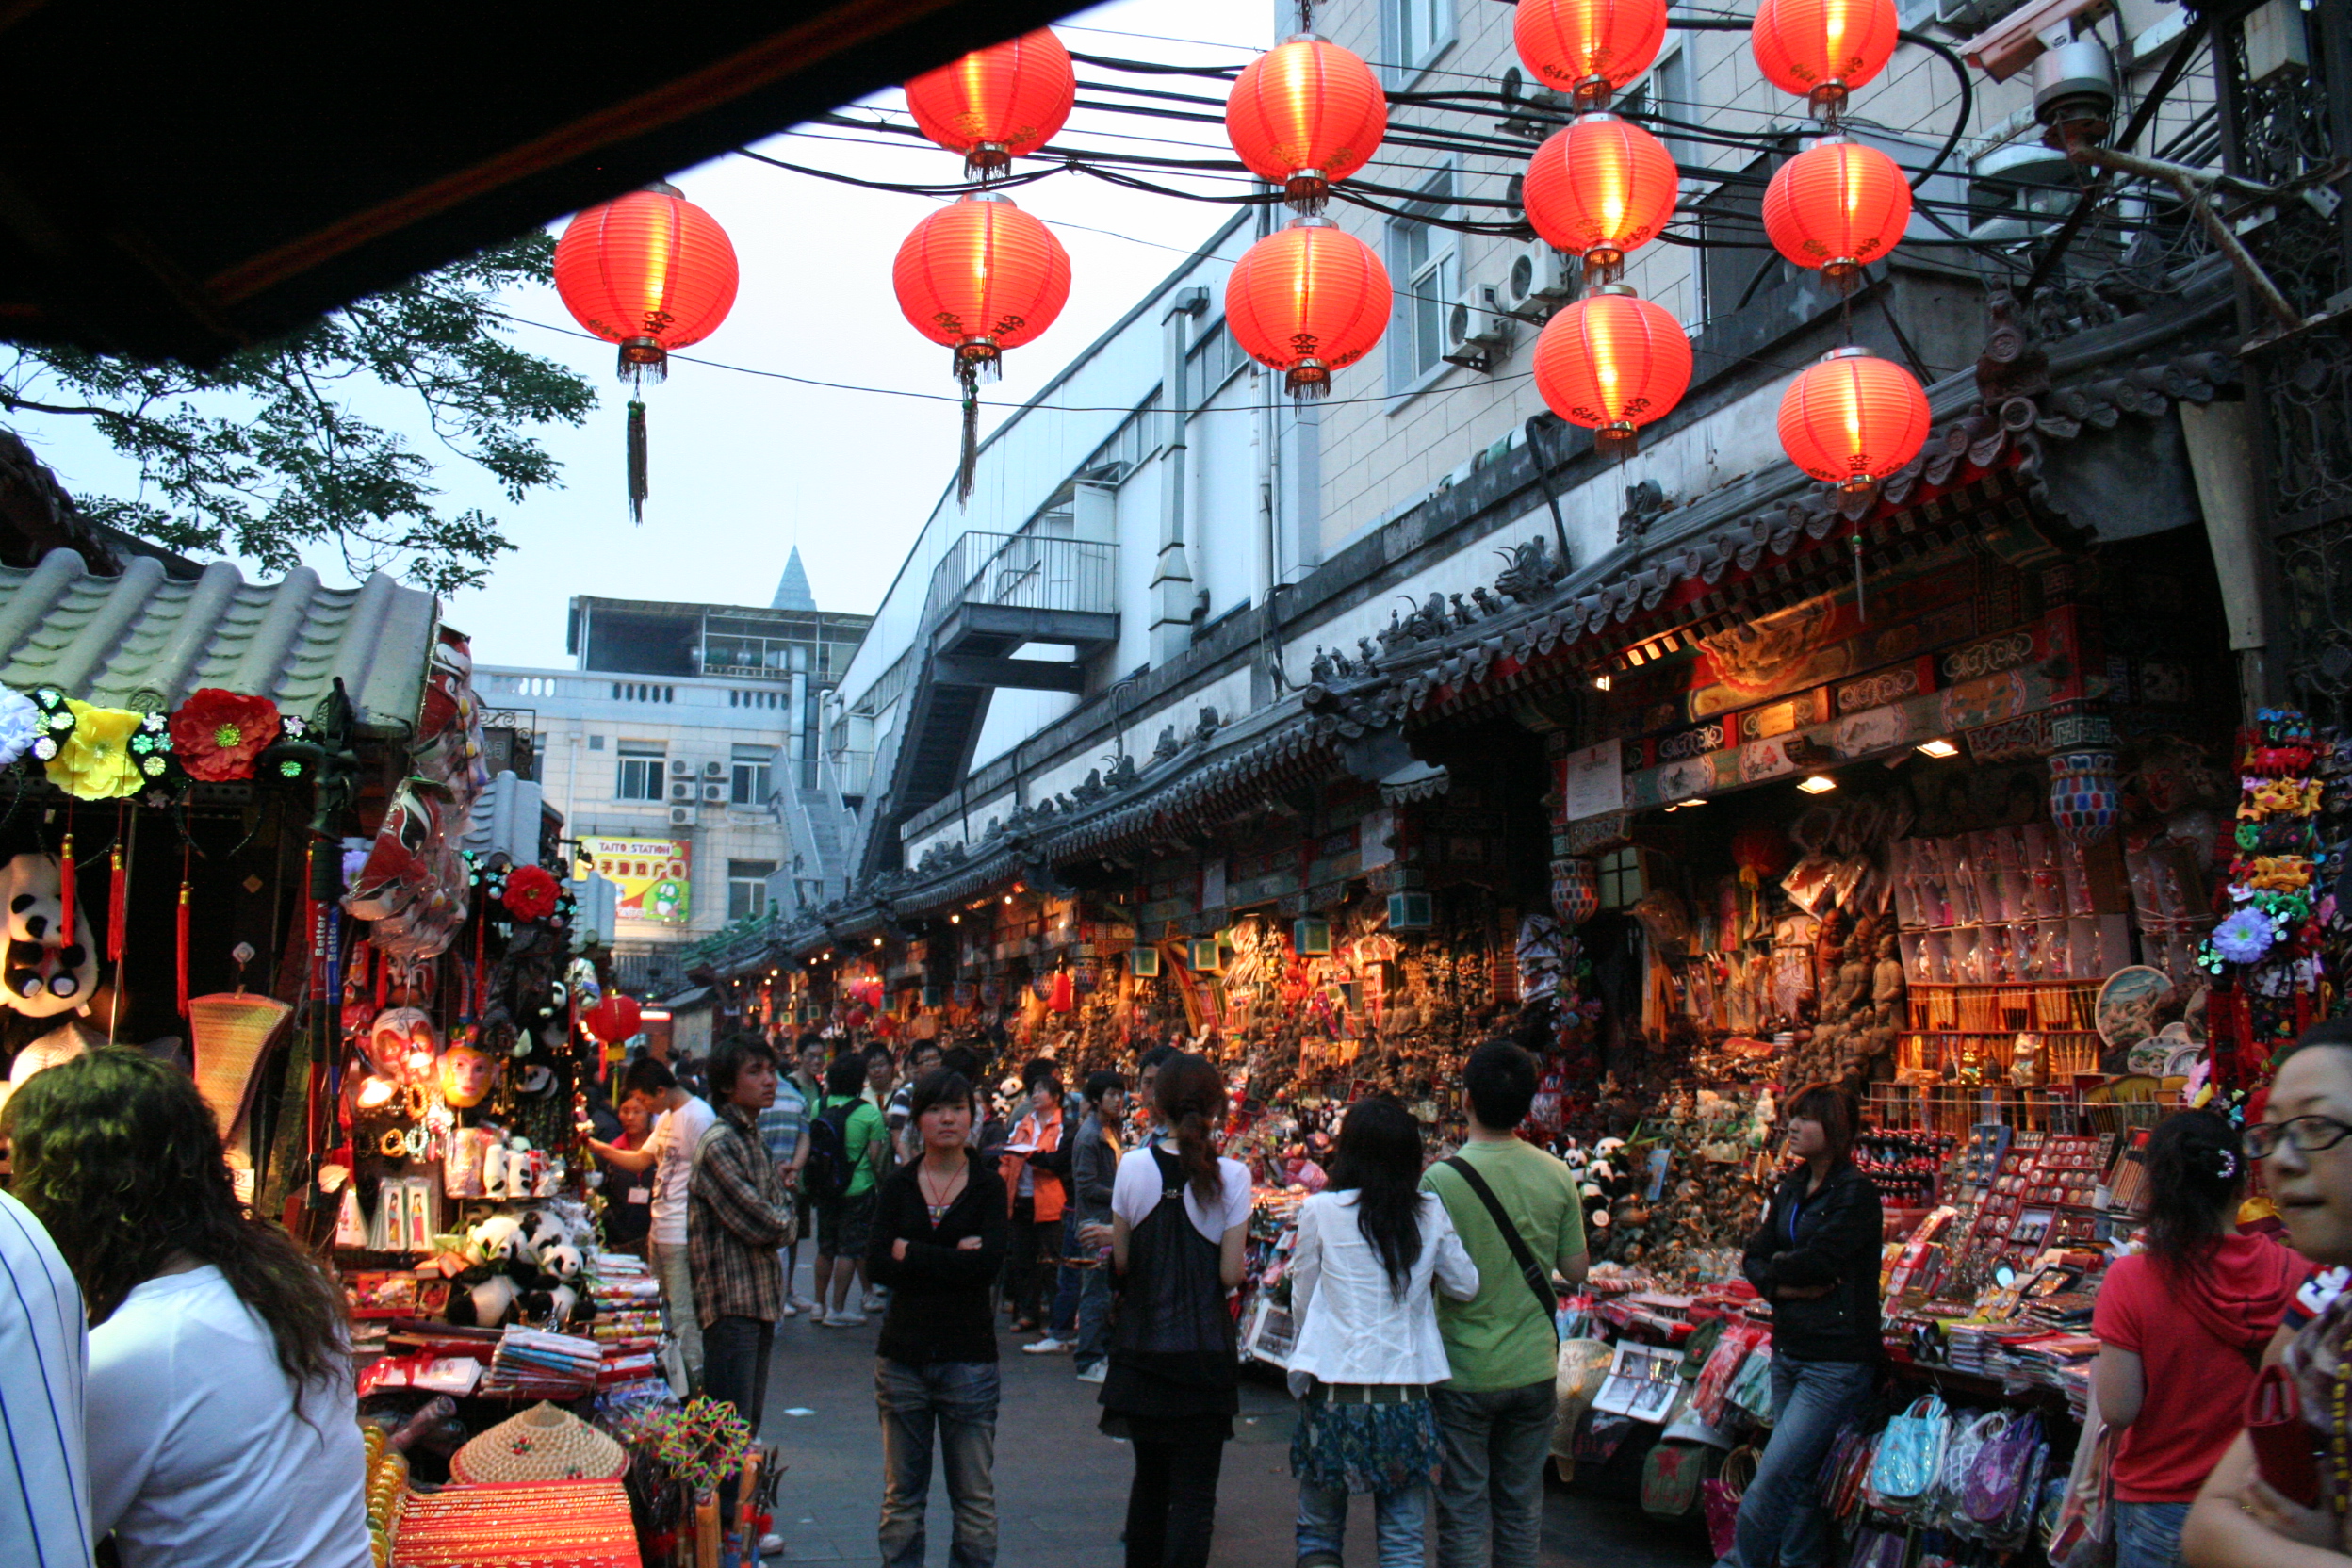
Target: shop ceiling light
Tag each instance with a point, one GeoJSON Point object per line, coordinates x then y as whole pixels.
{"type": "Point", "coordinates": [1816, 784]}
{"type": "Point", "coordinates": [1939, 749]}
{"type": "Point", "coordinates": [1600, 683]}
{"type": "Point", "coordinates": [955, 919]}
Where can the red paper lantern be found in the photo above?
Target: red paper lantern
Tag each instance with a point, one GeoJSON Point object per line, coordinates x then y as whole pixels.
{"type": "Point", "coordinates": [1837, 206]}
{"type": "Point", "coordinates": [1588, 48]}
{"type": "Point", "coordinates": [612, 1020]}
{"type": "Point", "coordinates": [1852, 420]}
{"type": "Point", "coordinates": [997, 104]}
{"type": "Point", "coordinates": [1600, 186]}
{"type": "Point", "coordinates": [981, 276]}
{"type": "Point", "coordinates": [1307, 300]}
{"type": "Point", "coordinates": [1303, 114]}
{"type": "Point", "coordinates": [1612, 361]}
{"type": "Point", "coordinates": [650, 272]}
{"type": "Point", "coordinates": [1821, 49]}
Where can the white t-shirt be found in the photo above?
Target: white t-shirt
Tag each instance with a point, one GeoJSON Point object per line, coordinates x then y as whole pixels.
{"type": "Point", "coordinates": [1135, 1192]}
{"type": "Point", "coordinates": [44, 1518]}
{"type": "Point", "coordinates": [198, 1457]}
{"type": "Point", "coordinates": [675, 1135]}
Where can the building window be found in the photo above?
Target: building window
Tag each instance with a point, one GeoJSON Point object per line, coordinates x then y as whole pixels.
{"type": "Point", "coordinates": [641, 771]}
{"type": "Point", "coordinates": [1426, 258]}
{"type": "Point", "coordinates": [747, 887]}
{"type": "Point", "coordinates": [1621, 879]}
{"type": "Point", "coordinates": [1418, 32]}
{"type": "Point", "coordinates": [751, 764]}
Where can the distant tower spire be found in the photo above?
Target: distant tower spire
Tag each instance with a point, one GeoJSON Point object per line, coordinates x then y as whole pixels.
{"type": "Point", "coordinates": [793, 591]}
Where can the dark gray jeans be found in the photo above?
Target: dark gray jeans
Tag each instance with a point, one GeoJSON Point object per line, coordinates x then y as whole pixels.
{"type": "Point", "coordinates": [1490, 1495]}
{"type": "Point", "coordinates": [735, 1355]}
{"type": "Point", "coordinates": [958, 1401]}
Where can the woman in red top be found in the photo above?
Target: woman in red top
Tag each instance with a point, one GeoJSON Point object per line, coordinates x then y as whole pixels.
{"type": "Point", "coordinates": [2182, 1327]}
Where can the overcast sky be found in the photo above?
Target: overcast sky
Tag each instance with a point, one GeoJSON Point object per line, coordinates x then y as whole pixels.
{"type": "Point", "coordinates": [744, 466]}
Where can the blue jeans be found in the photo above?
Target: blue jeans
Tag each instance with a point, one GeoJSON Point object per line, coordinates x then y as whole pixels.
{"type": "Point", "coordinates": [1094, 1316]}
{"type": "Point", "coordinates": [1063, 1317]}
{"type": "Point", "coordinates": [735, 1368]}
{"type": "Point", "coordinates": [2147, 1535]}
{"type": "Point", "coordinates": [958, 1399]}
{"type": "Point", "coordinates": [1780, 1516]}
{"type": "Point", "coordinates": [1399, 1516]}
{"type": "Point", "coordinates": [1490, 1493]}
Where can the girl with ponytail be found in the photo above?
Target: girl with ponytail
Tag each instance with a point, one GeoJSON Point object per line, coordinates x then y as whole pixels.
{"type": "Point", "coordinates": [1179, 1217]}
{"type": "Point", "coordinates": [2182, 1327]}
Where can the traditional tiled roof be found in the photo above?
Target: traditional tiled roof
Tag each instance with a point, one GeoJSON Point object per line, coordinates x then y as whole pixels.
{"type": "Point", "coordinates": [143, 638]}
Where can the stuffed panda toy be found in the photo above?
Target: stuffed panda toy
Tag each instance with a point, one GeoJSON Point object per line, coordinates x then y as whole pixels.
{"type": "Point", "coordinates": [485, 1296]}
{"type": "Point", "coordinates": [45, 969]}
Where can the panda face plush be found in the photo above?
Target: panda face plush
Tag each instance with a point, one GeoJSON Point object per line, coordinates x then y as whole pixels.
{"type": "Point", "coordinates": [44, 970]}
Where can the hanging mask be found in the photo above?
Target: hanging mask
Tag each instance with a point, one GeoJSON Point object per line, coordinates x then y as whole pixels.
{"type": "Point", "coordinates": [467, 1074]}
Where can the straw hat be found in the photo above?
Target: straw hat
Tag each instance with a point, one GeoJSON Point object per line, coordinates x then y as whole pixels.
{"type": "Point", "coordinates": [541, 1444]}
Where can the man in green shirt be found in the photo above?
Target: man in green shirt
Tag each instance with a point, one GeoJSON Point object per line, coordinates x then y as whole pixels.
{"type": "Point", "coordinates": [1494, 1414]}
{"type": "Point", "coordinates": [844, 1219]}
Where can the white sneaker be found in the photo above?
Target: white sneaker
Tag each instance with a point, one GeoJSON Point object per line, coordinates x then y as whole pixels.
{"type": "Point", "coordinates": [787, 1310]}
{"type": "Point", "coordinates": [1049, 1346]}
{"type": "Point", "coordinates": [846, 1320]}
{"type": "Point", "coordinates": [1094, 1374]}
{"type": "Point", "coordinates": [771, 1544]}
{"type": "Point", "coordinates": [802, 1303]}
{"type": "Point", "coordinates": [874, 1302]}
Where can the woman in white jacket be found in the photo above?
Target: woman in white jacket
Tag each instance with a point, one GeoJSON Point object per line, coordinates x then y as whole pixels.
{"type": "Point", "coordinates": [1369, 1250]}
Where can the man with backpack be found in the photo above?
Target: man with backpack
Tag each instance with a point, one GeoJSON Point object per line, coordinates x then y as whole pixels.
{"type": "Point", "coordinates": [846, 1140]}
{"type": "Point", "coordinates": [1517, 1209]}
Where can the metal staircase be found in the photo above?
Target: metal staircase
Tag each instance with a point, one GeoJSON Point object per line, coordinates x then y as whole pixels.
{"type": "Point", "coordinates": [990, 595]}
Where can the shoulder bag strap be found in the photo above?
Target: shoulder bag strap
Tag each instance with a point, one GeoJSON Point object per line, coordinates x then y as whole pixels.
{"type": "Point", "coordinates": [1533, 1272]}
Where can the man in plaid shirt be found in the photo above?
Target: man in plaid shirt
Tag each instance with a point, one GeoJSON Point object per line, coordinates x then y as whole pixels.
{"type": "Point", "coordinates": [736, 1214]}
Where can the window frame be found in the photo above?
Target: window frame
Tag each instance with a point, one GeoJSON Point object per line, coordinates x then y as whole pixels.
{"type": "Point", "coordinates": [1405, 66]}
{"type": "Point", "coordinates": [1406, 378]}
{"type": "Point", "coordinates": [754, 888]}
{"type": "Point", "coordinates": [652, 761]}
{"type": "Point", "coordinates": [763, 770]}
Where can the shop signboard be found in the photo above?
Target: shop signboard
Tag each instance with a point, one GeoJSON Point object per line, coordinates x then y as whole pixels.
{"type": "Point", "coordinates": [655, 876]}
{"type": "Point", "coordinates": [1591, 781]}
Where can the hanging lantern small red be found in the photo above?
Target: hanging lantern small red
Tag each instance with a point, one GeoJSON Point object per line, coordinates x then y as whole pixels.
{"type": "Point", "coordinates": [1598, 188]}
{"type": "Point", "coordinates": [1837, 206]}
{"type": "Point", "coordinates": [1589, 49]}
{"type": "Point", "coordinates": [650, 272]}
{"type": "Point", "coordinates": [997, 104]}
{"type": "Point", "coordinates": [1307, 300]}
{"type": "Point", "coordinates": [612, 1020]}
{"type": "Point", "coordinates": [1852, 420]}
{"type": "Point", "coordinates": [1821, 49]}
{"type": "Point", "coordinates": [980, 276]}
{"type": "Point", "coordinates": [1303, 114]}
{"type": "Point", "coordinates": [1612, 361]}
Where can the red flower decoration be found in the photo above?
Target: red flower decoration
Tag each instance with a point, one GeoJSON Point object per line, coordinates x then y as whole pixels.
{"type": "Point", "coordinates": [530, 893]}
{"type": "Point", "coordinates": [219, 735]}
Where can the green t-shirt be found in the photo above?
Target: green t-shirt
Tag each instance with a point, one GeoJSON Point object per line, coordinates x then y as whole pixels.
{"type": "Point", "coordinates": [1499, 1339]}
{"type": "Point", "coordinates": [863, 1126]}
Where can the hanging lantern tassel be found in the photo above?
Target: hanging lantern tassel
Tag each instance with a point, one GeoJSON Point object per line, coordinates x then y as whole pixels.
{"type": "Point", "coordinates": [638, 488]}
{"type": "Point", "coordinates": [1861, 605]}
{"type": "Point", "coordinates": [180, 945]}
{"type": "Point", "coordinates": [967, 372]}
{"type": "Point", "coordinates": [118, 903]}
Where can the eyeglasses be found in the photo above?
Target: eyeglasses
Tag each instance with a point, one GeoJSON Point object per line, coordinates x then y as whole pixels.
{"type": "Point", "coordinates": [2309, 1134]}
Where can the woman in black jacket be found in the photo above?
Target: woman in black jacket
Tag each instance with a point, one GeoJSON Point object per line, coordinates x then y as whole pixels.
{"type": "Point", "coordinates": [1815, 1259]}
{"type": "Point", "coordinates": [939, 1234]}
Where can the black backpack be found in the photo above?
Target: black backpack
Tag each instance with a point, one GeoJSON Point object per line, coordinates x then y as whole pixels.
{"type": "Point", "coordinates": [829, 1171]}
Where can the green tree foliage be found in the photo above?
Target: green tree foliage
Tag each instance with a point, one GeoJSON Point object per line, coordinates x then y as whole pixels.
{"type": "Point", "coordinates": [282, 446]}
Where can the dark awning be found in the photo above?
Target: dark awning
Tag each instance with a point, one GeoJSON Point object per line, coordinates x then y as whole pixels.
{"type": "Point", "coordinates": [179, 180]}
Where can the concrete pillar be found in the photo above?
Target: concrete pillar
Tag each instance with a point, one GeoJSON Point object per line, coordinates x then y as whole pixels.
{"type": "Point", "coordinates": [1172, 591]}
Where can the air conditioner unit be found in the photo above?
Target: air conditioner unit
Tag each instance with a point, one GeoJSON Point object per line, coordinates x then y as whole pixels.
{"type": "Point", "coordinates": [680, 768]}
{"type": "Point", "coordinates": [682, 816]}
{"type": "Point", "coordinates": [682, 790]}
{"type": "Point", "coordinates": [1476, 329]}
{"type": "Point", "coordinates": [1537, 281]}
{"type": "Point", "coordinates": [714, 770]}
{"type": "Point", "coordinates": [714, 795]}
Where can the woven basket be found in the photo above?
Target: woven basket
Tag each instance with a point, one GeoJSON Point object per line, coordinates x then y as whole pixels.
{"type": "Point", "coordinates": [229, 1031]}
{"type": "Point", "coordinates": [541, 1444]}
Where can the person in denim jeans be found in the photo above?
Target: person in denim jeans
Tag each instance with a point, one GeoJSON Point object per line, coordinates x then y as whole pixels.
{"type": "Point", "coordinates": [1495, 1414]}
{"type": "Point", "coordinates": [1094, 1171]}
{"type": "Point", "coordinates": [1815, 1259]}
{"type": "Point", "coordinates": [940, 1235]}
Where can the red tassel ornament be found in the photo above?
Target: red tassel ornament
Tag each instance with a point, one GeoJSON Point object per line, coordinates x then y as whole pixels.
{"type": "Point", "coordinates": [65, 885]}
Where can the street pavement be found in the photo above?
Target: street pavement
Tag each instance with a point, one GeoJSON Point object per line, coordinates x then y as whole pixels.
{"type": "Point", "coordinates": [1061, 1486]}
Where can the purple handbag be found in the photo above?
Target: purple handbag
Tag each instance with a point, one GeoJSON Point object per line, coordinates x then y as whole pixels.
{"type": "Point", "coordinates": [2005, 1466]}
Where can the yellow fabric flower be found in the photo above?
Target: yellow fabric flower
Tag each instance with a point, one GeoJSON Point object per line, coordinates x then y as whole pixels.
{"type": "Point", "coordinates": [95, 761]}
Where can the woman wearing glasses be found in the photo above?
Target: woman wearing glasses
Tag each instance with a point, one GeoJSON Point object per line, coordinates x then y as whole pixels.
{"type": "Point", "coordinates": [2304, 1140]}
{"type": "Point", "coordinates": [2181, 1327]}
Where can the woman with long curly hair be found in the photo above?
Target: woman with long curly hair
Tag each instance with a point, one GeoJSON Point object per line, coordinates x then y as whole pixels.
{"type": "Point", "coordinates": [1179, 1217]}
{"type": "Point", "coordinates": [222, 1427]}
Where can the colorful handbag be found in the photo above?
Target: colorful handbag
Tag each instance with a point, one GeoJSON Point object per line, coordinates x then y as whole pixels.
{"type": "Point", "coordinates": [1752, 1386]}
{"type": "Point", "coordinates": [2006, 1475]}
{"type": "Point", "coordinates": [1910, 1455]}
{"type": "Point", "coordinates": [1719, 1497]}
